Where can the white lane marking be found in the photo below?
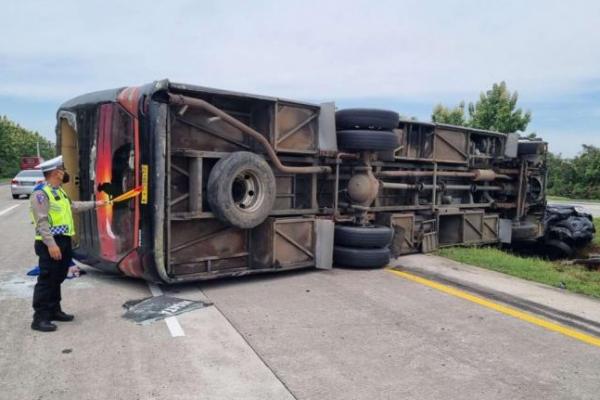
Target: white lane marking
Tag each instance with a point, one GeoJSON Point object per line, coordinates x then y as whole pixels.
{"type": "Point", "coordinates": [174, 326]}
{"type": "Point", "coordinates": [172, 322]}
{"type": "Point", "coordinates": [155, 290]}
{"type": "Point", "coordinates": [8, 209]}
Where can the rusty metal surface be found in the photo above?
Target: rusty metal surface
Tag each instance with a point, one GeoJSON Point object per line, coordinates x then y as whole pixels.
{"type": "Point", "coordinates": [190, 101]}
{"type": "Point", "coordinates": [283, 243]}
{"type": "Point", "coordinates": [206, 247]}
{"type": "Point", "coordinates": [403, 225]}
{"type": "Point", "coordinates": [295, 129]}
{"type": "Point", "coordinates": [450, 146]}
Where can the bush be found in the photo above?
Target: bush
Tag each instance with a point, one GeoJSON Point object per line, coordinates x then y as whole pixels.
{"type": "Point", "coordinates": [578, 177]}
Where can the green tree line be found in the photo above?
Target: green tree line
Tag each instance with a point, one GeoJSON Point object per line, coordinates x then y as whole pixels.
{"type": "Point", "coordinates": [578, 177]}
{"type": "Point", "coordinates": [15, 142]}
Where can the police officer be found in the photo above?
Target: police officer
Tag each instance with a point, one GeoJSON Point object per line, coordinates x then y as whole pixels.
{"type": "Point", "coordinates": [52, 214]}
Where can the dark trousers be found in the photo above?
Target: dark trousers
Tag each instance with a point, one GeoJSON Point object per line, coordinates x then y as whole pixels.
{"type": "Point", "coordinates": [46, 294]}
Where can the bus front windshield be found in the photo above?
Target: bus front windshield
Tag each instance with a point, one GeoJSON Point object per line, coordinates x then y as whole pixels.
{"type": "Point", "coordinates": [115, 175]}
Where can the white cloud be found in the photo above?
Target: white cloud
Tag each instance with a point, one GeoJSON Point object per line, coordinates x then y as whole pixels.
{"type": "Point", "coordinates": [406, 51]}
{"type": "Point", "coordinates": [410, 49]}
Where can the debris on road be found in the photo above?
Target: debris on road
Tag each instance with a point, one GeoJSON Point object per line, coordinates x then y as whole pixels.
{"type": "Point", "coordinates": [148, 310]}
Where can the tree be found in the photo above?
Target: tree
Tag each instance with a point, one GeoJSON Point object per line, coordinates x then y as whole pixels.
{"type": "Point", "coordinates": [452, 116]}
{"type": "Point", "coordinates": [496, 110]}
{"type": "Point", "coordinates": [578, 177]}
{"type": "Point", "coordinates": [16, 142]}
{"type": "Point", "coordinates": [561, 175]}
{"type": "Point", "coordinates": [586, 174]}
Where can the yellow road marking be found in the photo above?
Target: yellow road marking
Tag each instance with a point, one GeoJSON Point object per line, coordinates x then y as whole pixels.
{"type": "Point", "coordinates": [500, 308]}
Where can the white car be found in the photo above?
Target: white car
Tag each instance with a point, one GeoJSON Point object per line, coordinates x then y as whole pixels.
{"type": "Point", "coordinates": [25, 181]}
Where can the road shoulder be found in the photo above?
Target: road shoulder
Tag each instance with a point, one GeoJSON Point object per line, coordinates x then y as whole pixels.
{"type": "Point", "coordinates": [524, 293]}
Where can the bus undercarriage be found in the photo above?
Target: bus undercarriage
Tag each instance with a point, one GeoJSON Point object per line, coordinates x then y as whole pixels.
{"type": "Point", "coordinates": [236, 184]}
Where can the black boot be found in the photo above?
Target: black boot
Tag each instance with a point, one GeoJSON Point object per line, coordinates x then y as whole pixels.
{"type": "Point", "coordinates": [62, 316]}
{"type": "Point", "coordinates": [43, 326]}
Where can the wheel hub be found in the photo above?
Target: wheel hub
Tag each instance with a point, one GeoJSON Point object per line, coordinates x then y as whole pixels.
{"type": "Point", "coordinates": [247, 191]}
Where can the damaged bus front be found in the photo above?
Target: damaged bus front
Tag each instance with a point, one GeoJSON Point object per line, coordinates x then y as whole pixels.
{"type": "Point", "coordinates": [235, 183]}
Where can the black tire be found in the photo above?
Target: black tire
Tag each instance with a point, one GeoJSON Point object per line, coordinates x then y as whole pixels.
{"type": "Point", "coordinates": [558, 249]}
{"type": "Point", "coordinates": [360, 258]}
{"type": "Point", "coordinates": [241, 189]}
{"type": "Point", "coordinates": [366, 118]}
{"type": "Point", "coordinates": [15, 196]}
{"type": "Point", "coordinates": [581, 228]}
{"type": "Point", "coordinates": [367, 140]}
{"type": "Point", "coordinates": [363, 236]}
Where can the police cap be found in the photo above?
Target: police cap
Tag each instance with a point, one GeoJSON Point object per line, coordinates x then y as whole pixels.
{"type": "Point", "coordinates": [52, 164]}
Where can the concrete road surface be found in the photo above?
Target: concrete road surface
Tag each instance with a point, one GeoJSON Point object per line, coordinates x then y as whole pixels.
{"type": "Point", "coordinates": [339, 334]}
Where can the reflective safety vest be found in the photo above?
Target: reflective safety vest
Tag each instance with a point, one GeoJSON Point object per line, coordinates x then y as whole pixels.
{"type": "Point", "coordinates": [60, 215]}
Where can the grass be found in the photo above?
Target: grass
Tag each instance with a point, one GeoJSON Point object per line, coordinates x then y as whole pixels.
{"type": "Point", "coordinates": [559, 198]}
{"type": "Point", "coordinates": [576, 279]}
{"type": "Point", "coordinates": [594, 246]}
{"type": "Point", "coordinates": [596, 241]}
{"type": "Point", "coordinates": [573, 278]}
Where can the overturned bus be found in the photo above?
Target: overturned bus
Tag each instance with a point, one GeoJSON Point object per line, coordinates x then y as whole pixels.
{"type": "Point", "coordinates": [234, 184]}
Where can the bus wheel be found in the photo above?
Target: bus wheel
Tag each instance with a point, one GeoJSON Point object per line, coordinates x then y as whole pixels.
{"type": "Point", "coordinates": [241, 189]}
{"type": "Point", "coordinates": [360, 258]}
{"type": "Point", "coordinates": [366, 118]}
{"type": "Point", "coordinates": [558, 249]}
{"type": "Point", "coordinates": [363, 236]}
{"type": "Point", "coordinates": [362, 140]}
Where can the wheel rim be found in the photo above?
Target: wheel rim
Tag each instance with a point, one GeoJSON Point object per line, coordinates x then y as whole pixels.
{"type": "Point", "coordinates": [247, 191]}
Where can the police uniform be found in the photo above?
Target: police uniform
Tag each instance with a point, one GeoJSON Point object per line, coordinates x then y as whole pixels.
{"type": "Point", "coordinates": [52, 213]}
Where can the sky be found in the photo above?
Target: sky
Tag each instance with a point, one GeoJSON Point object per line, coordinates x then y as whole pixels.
{"type": "Point", "coordinates": [402, 55]}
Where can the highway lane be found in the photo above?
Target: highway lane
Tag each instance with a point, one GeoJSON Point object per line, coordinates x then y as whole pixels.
{"type": "Point", "coordinates": [339, 334]}
{"type": "Point", "coordinates": [370, 334]}
{"type": "Point", "coordinates": [100, 355]}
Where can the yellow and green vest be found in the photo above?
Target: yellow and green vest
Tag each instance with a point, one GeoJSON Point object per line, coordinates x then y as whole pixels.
{"type": "Point", "coordinates": [60, 215]}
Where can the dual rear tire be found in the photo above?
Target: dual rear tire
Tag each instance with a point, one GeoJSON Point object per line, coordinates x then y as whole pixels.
{"type": "Point", "coordinates": [363, 129]}
{"type": "Point", "coordinates": [362, 246]}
